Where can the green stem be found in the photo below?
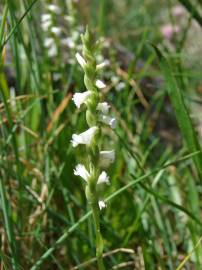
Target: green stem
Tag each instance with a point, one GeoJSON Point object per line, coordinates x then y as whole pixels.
{"type": "Point", "coordinates": [8, 224]}
{"type": "Point", "coordinates": [99, 241]}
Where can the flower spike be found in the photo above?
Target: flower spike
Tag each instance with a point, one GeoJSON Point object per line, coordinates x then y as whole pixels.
{"type": "Point", "coordinates": [96, 115]}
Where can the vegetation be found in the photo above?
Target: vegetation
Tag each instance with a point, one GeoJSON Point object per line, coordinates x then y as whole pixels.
{"type": "Point", "coordinates": [149, 62]}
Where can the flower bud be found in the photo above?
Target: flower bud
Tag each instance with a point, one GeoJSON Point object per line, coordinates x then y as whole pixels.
{"type": "Point", "coordinates": [80, 60]}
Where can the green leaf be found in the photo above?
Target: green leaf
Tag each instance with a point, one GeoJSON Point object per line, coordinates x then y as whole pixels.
{"type": "Point", "coordinates": [181, 112]}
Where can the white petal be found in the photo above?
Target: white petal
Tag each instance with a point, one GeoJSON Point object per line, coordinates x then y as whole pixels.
{"type": "Point", "coordinates": [68, 42]}
{"type": "Point", "coordinates": [80, 170]}
{"type": "Point", "coordinates": [80, 60]}
{"type": "Point", "coordinates": [80, 98]}
{"type": "Point", "coordinates": [56, 30]}
{"type": "Point", "coordinates": [76, 140]}
{"type": "Point", "coordinates": [85, 137]}
{"type": "Point", "coordinates": [45, 17]}
{"type": "Point", "coordinates": [56, 76]}
{"type": "Point", "coordinates": [103, 107]}
{"type": "Point", "coordinates": [100, 84]}
{"type": "Point", "coordinates": [75, 35]}
{"type": "Point", "coordinates": [111, 121]}
{"type": "Point", "coordinates": [45, 25]}
{"type": "Point", "coordinates": [108, 155]}
{"type": "Point", "coordinates": [102, 204]}
{"type": "Point", "coordinates": [48, 42]}
{"type": "Point", "coordinates": [102, 65]}
{"type": "Point", "coordinates": [115, 79]}
{"type": "Point", "coordinates": [52, 51]}
{"type": "Point", "coordinates": [120, 86]}
{"type": "Point", "coordinates": [54, 9]}
{"type": "Point", "coordinates": [103, 178]}
{"type": "Point", "coordinates": [70, 19]}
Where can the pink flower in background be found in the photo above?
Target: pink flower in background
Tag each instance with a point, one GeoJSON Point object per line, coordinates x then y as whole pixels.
{"type": "Point", "coordinates": [168, 30]}
{"type": "Point", "coordinates": [178, 11]}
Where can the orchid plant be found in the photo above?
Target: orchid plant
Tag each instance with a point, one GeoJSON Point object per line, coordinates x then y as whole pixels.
{"type": "Point", "coordinates": [96, 116]}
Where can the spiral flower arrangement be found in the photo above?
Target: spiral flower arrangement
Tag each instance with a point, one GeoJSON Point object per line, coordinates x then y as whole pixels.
{"type": "Point", "coordinates": [96, 116]}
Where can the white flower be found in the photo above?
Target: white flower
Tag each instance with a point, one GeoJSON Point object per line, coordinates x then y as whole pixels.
{"type": "Point", "coordinates": [103, 178]}
{"type": "Point", "coordinates": [120, 86]}
{"type": "Point", "coordinates": [56, 76]}
{"type": "Point", "coordinates": [80, 60]}
{"type": "Point", "coordinates": [45, 25]}
{"type": "Point", "coordinates": [102, 65]}
{"type": "Point", "coordinates": [99, 58]}
{"type": "Point", "coordinates": [55, 9]}
{"type": "Point", "coordinates": [103, 107]}
{"type": "Point", "coordinates": [75, 35]}
{"type": "Point", "coordinates": [102, 204]}
{"type": "Point", "coordinates": [80, 170]}
{"type": "Point", "coordinates": [68, 18]}
{"type": "Point", "coordinates": [80, 98]}
{"type": "Point", "coordinates": [68, 42]}
{"type": "Point", "coordinates": [115, 79]}
{"type": "Point", "coordinates": [48, 42]}
{"type": "Point", "coordinates": [108, 155]}
{"type": "Point", "coordinates": [111, 121]}
{"type": "Point", "coordinates": [100, 84]}
{"type": "Point", "coordinates": [85, 137]}
{"type": "Point", "coordinates": [56, 30]}
{"type": "Point", "coordinates": [52, 51]}
{"type": "Point", "coordinates": [45, 17]}
{"type": "Point", "coordinates": [79, 47]}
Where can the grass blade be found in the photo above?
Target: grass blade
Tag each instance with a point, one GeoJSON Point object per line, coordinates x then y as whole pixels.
{"type": "Point", "coordinates": [189, 255]}
{"type": "Point", "coordinates": [3, 23]}
{"type": "Point", "coordinates": [12, 32]}
{"type": "Point", "coordinates": [180, 109]}
{"type": "Point", "coordinates": [8, 224]}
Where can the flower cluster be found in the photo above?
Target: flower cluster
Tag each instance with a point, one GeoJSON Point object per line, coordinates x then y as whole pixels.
{"type": "Point", "coordinates": [48, 24]}
{"type": "Point", "coordinates": [97, 114]}
{"type": "Point", "coordinates": [61, 31]}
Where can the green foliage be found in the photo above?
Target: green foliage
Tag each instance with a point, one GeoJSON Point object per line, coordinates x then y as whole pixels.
{"type": "Point", "coordinates": [181, 112]}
